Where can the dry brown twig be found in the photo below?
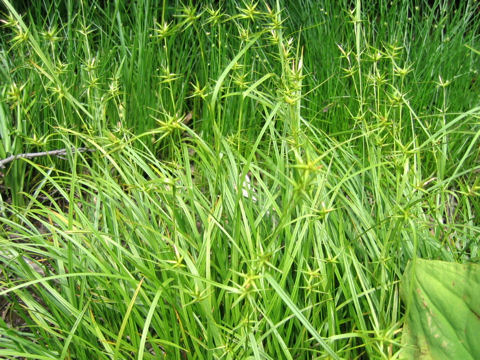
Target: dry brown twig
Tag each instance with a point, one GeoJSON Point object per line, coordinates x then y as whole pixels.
{"type": "Point", "coordinates": [59, 152]}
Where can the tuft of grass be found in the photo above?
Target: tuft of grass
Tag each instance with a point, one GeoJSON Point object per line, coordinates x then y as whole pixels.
{"type": "Point", "coordinates": [260, 175]}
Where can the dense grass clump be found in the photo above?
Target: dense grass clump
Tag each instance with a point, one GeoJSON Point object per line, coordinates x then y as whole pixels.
{"type": "Point", "coordinates": [253, 177]}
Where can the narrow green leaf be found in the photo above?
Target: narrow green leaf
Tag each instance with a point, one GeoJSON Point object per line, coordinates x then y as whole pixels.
{"type": "Point", "coordinates": [254, 345]}
{"type": "Point", "coordinates": [229, 67]}
{"type": "Point", "coordinates": [72, 331]}
{"type": "Point", "coordinates": [126, 317]}
{"type": "Point", "coordinates": [298, 314]}
{"type": "Point", "coordinates": [148, 320]}
{"type": "Point", "coordinates": [101, 337]}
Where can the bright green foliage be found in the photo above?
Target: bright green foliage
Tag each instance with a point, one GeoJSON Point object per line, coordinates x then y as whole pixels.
{"type": "Point", "coordinates": [443, 320]}
{"type": "Point", "coordinates": [362, 153]}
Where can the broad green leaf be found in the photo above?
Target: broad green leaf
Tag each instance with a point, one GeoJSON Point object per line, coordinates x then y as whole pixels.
{"type": "Point", "coordinates": [443, 304]}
